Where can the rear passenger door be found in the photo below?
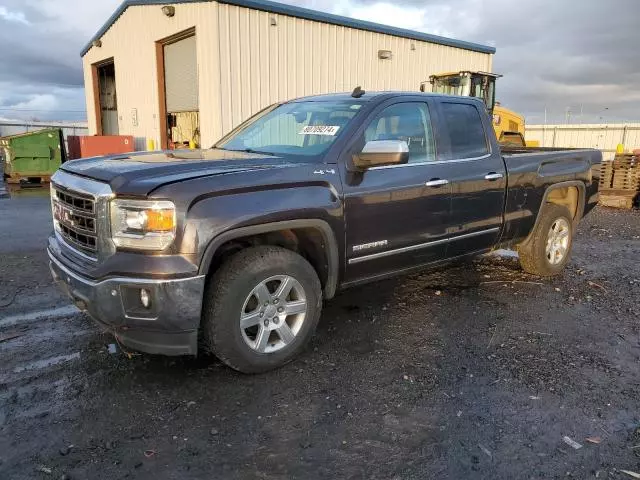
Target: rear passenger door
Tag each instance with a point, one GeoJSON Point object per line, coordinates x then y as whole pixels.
{"type": "Point", "coordinates": [395, 218]}
{"type": "Point", "coordinates": [476, 174]}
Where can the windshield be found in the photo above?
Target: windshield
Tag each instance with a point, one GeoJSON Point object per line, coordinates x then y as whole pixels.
{"type": "Point", "coordinates": [483, 88]}
{"type": "Point", "coordinates": [303, 128]}
{"type": "Point", "coordinates": [452, 85]}
{"type": "Point", "coordinates": [479, 86]}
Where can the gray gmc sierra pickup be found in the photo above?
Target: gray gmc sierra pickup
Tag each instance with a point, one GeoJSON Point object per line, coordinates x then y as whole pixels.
{"type": "Point", "coordinates": [233, 249]}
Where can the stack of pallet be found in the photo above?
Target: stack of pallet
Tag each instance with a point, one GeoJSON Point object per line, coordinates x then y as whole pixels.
{"type": "Point", "coordinates": [620, 181]}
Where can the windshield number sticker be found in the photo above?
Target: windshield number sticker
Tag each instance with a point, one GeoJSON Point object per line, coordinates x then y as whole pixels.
{"type": "Point", "coordinates": [319, 130]}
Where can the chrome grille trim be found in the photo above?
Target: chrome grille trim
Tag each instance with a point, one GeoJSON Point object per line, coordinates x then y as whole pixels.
{"type": "Point", "coordinates": [81, 241]}
{"type": "Point", "coordinates": [75, 251]}
{"type": "Point", "coordinates": [80, 215]}
{"type": "Point", "coordinates": [73, 218]}
{"type": "Point", "coordinates": [78, 202]}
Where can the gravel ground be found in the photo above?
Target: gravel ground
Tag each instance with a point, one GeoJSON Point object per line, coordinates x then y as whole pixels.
{"type": "Point", "coordinates": [478, 371]}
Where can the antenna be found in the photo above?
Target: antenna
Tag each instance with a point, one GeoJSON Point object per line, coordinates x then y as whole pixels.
{"type": "Point", "coordinates": [358, 92]}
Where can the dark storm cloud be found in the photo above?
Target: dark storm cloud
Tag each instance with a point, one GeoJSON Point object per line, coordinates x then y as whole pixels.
{"type": "Point", "coordinates": [37, 66]}
{"type": "Point", "coordinates": [40, 65]}
{"type": "Point", "coordinates": [559, 55]}
{"type": "Point", "coordinates": [553, 54]}
{"type": "Point", "coordinates": [581, 55]}
{"type": "Point", "coordinates": [34, 53]}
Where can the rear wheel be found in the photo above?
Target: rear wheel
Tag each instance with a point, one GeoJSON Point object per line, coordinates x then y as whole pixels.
{"type": "Point", "coordinates": [548, 250]}
{"type": "Point", "coordinates": [261, 309]}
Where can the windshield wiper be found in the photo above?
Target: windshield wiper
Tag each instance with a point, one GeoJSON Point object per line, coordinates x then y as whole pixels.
{"type": "Point", "coordinates": [250, 150]}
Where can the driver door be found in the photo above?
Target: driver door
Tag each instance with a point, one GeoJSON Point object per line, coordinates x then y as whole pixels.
{"type": "Point", "coordinates": [396, 216]}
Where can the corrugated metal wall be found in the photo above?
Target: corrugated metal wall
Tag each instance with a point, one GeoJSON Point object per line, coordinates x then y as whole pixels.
{"type": "Point", "coordinates": [131, 43]}
{"type": "Point", "coordinates": [605, 137]}
{"type": "Point", "coordinates": [245, 63]}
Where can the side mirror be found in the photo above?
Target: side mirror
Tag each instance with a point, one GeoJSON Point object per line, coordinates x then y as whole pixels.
{"type": "Point", "coordinates": [377, 153]}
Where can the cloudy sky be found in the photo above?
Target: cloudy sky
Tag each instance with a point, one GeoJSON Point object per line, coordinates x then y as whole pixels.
{"type": "Point", "coordinates": [554, 55]}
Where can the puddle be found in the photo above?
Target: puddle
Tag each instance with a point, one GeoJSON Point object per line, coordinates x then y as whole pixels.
{"type": "Point", "coordinates": [47, 362]}
{"type": "Point", "coordinates": [24, 190]}
{"type": "Point", "coordinates": [41, 314]}
{"type": "Point", "coordinates": [504, 253]}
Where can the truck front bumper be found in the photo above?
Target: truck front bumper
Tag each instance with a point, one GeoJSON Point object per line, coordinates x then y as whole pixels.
{"type": "Point", "coordinates": [167, 326]}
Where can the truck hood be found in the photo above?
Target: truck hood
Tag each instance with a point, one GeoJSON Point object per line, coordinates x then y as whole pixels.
{"type": "Point", "coordinates": [140, 173]}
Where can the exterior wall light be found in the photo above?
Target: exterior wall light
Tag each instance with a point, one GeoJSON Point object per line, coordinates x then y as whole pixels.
{"type": "Point", "coordinates": [169, 10]}
{"type": "Point", "coordinates": [385, 54]}
{"type": "Point", "coordinates": [96, 43]}
{"type": "Point", "coordinates": [273, 21]}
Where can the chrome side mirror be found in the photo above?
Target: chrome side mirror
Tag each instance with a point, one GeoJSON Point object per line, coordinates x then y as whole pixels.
{"type": "Point", "coordinates": [377, 153]}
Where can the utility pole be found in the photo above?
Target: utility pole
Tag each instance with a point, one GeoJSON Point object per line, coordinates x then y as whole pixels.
{"type": "Point", "coordinates": [544, 130]}
{"type": "Point", "coordinates": [581, 112]}
{"type": "Point", "coordinates": [602, 114]}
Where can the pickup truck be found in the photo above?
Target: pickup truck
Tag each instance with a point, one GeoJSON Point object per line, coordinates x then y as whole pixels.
{"type": "Point", "coordinates": [232, 250]}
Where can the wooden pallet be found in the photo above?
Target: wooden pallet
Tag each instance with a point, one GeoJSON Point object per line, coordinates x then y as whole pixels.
{"type": "Point", "coordinates": [623, 173]}
{"type": "Point", "coordinates": [16, 179]}
{"type": "Point", "coordinates": [606, 175]}
{"type": "Point", "coordinates": [618, 198]}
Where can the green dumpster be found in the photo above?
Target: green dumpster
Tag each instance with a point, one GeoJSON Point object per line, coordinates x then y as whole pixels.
{"type": "Point", "coordinates": [32, 155]}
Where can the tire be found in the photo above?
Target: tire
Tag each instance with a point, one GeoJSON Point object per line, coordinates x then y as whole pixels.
{"type": "Point", "coordinates": [537, 253]}
{"type": "Point", "coordinates": [236, 290]}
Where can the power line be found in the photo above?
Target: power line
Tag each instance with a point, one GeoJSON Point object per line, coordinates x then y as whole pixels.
{"type": "Point", "coordinates": [52, 84]}
{"type": "Point", "coordinates": [41, 110]}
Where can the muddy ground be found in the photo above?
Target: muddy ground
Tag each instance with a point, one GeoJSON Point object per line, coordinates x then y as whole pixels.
{"type": "Point", "coordinates": [474, 372]}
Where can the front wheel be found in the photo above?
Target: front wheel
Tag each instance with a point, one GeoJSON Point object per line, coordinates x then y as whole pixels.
{"type": "Point", "coordinates": [548, 250]}
{"type": "Point", "coordinates": [261, 309]}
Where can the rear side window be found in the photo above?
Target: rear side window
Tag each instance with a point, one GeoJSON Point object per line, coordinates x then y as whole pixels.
{"type": "Point", "coordinates": [466, 131]}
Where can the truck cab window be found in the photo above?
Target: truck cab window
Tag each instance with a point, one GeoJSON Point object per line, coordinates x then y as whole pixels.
{"type": "Point", "coordinates": [298, 129]}
{"type": "Point", "coordinates": [339, 118]}
{"type": "Point", "coordinates": [409, 122]}
{"type": "Point", "coordinates": [466, 132]}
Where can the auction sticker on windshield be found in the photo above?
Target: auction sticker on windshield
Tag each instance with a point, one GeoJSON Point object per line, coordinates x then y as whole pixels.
{"type": "Point", "coordinates": [319, 130]}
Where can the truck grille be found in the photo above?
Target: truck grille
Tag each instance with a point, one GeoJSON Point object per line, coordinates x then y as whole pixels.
{"type": "Point", "coordinates": [75, 219]}
{"type": "Point", "coordinates": [83, 204]}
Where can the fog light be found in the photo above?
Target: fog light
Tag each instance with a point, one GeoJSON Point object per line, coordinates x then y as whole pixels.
{"type": "Point", "coordinates": [145, 297]}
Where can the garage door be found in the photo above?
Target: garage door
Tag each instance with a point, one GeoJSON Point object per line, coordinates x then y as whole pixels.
{"type": "Point", "coordinates": [181, 76]}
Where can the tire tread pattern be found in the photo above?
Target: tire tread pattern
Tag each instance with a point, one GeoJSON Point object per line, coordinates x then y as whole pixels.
{"type": "Point", "coordinates": [532, 253]}
{"type": "Point", "coordinates": [218, 320]}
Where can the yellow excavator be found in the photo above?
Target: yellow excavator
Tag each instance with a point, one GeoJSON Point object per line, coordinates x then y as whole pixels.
{"type": "Point", "coordinates": [509, 125]}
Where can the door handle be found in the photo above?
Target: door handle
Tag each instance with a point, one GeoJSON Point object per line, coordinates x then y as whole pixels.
{"type": "Point", "coordinates": [437, 182]}
{"type": "Point", "coordinates": [493, 176]}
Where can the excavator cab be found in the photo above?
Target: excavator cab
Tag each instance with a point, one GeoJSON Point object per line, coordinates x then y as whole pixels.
{"type": "Point", "coordinates": [481, 85]}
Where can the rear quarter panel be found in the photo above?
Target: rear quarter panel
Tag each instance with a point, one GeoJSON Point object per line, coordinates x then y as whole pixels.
{"type": "Point", "coordinates": [532, 175]}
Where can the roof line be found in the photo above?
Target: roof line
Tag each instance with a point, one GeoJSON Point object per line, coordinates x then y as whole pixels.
{"type": "Point", "coordinates": [299, 12]}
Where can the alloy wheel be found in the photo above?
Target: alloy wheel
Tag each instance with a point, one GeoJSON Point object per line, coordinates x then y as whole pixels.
{"type": "Point", "coordinates": [273, 314]}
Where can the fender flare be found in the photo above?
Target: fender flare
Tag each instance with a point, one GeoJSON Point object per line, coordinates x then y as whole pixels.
{"type": "Point", "coordinates": [330, 244]}
{"type": "Point", "coordinates": [579, 208]}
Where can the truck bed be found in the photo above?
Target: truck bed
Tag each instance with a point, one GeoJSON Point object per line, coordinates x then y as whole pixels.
{"type": "Point", "coordinates": [513, 150]}
{"type": "Point", "coordinates": [533, 171]}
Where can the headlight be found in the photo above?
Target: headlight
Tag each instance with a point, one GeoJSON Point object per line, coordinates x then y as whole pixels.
{"type": "Point", "coordinates": [143, 224]}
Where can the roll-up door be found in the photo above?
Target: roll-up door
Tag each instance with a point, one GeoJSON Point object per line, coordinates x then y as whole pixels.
{"type": "Point", "coordinates": [181, 75]}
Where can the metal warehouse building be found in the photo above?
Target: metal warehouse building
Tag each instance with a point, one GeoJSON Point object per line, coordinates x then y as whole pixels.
{"type": "Point", "coordinates": [192, 70]}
